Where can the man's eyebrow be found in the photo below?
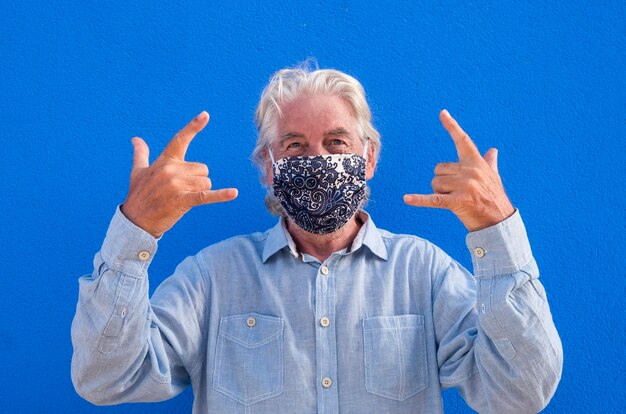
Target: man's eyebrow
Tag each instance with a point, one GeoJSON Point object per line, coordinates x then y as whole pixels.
{"type": "Point", "coordinates": [338, 131]}
{"type": "Point", "coordinates": [290, 135]}
{"type": "Point", "coordinates": [332, 132]}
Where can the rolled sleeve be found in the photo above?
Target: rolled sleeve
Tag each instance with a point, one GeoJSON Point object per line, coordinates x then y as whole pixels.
{"type": "Point", "coordinates": [127, 248]}
{"type": "Point", "coordinates": [500, 249]}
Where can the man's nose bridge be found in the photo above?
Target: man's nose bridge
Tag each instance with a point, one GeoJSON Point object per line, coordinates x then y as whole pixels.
{"type": "Point", "coordinates": [316, 148]}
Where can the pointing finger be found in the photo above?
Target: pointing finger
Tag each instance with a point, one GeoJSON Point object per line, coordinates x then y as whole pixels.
{"type": "Point", "coordinates": [177, 147]}
{"type": "Point", "coordinates": [465, 147]}
{"type": "Point", "coordinates": [141, 155]}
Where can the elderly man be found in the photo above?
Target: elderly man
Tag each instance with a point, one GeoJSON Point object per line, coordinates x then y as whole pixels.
{"type": "Point", "coordinates": [324, 312]}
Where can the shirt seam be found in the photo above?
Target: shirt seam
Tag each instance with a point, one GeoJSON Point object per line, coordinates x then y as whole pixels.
{"type": "Point", "coordinates": [203, 328]}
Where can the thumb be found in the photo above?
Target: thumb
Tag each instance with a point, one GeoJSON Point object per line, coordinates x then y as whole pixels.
{"type": "Point", "coordinates": [491, 157]}
{"type": "Point", "coordinates": [141, 156]}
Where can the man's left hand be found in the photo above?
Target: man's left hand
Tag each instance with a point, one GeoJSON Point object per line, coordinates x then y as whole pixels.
{"type": "Point", "coordinates": [471, 188]}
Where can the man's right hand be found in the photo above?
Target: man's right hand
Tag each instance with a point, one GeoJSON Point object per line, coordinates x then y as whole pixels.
{"type": "Point", "coordinates": [161, 193]}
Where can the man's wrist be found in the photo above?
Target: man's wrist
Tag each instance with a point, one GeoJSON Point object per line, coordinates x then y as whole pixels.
{"type": "Point", "coordinates": [131, 217]}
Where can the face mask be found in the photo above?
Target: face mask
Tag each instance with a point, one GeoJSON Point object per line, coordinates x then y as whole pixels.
{"type": "Point", "coordinates": [320, 193]}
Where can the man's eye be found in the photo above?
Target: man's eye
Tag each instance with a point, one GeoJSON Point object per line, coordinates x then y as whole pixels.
{"type": "Point", "coordinates": [337, 142]}
{"type": "Point", "coordinates": [294, 145]}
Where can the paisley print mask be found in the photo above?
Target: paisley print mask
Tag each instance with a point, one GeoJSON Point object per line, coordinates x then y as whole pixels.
{"type": "Point", "coordinates": [320, 193]}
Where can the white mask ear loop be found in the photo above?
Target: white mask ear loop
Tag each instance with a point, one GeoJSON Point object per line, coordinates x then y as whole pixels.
{"type": "Point", "coordinates": [269, 151]}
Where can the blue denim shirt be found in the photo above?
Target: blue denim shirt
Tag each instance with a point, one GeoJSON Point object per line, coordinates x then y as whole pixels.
{"type": "Point", "coordinates": [256, 327]}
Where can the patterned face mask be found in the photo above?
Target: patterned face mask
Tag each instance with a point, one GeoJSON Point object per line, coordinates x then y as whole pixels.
{"type": "Point", "coordinates": [320, 193]}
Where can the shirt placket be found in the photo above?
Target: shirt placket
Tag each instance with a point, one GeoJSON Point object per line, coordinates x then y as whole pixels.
{"type": "Point", "coordinates": [326, 342]}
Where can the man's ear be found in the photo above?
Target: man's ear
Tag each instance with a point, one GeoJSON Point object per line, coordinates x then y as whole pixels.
{"type": "Point", "coordinates": [371, 160]}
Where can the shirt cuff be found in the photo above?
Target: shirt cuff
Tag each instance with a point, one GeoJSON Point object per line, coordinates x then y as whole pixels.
{"type": "Point", "coordinates": [127, 248]}
{"type": "Point", "coordinates": [500, 249]}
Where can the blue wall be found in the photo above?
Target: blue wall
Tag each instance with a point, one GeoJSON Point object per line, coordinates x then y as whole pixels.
{"type": "Point", "coordinates": [542, 81]}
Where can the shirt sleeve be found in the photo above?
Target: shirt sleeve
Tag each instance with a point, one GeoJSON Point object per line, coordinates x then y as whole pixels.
{"type": "Point", "coordinates": [497, 343]}
{"type": "Point", "coordinates": [126, 347]}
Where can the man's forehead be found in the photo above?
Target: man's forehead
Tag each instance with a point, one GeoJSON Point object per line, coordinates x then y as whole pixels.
{"type": "Point", "coordinates": [321, 108]}
{"type": "Point", "coordinates": [315, 116]}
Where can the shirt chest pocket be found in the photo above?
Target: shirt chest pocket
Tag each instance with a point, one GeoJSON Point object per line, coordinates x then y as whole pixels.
{"type": "Point", "coordinates": [395, 356]}
{"type": "Point", "coordinates": [249, 357]}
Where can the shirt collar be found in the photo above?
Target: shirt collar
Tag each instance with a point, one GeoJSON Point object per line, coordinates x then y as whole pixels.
{"type": "Point", "coordinates": [369, 236]}
{"type": "Point", "coordinates": [278, 238]}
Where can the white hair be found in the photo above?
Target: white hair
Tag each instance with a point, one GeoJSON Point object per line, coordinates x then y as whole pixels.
{"type": "Point", "coordinates": [285, 86]}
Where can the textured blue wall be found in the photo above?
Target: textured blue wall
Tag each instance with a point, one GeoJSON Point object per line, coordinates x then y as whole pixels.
{"type": "Point", "coordinates": [542, 81]}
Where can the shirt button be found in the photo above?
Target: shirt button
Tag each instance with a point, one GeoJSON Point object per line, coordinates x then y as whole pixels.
{"type": "Point", "coordinates": [324, 322]}
{"type": "Point", "coordinates": [479, 251]}
{"type": "Point", "coordinates": [324, 270]}
{"type": "Point", "coordinates": [327, 382]}
{"type": "Point", "coordinates": [251, 322]}
{"type": "Point", "coordinates": [143, 255]}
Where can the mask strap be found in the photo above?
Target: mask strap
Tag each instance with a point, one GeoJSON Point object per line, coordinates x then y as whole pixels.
{"type": "Point", "coordinates": [269, 151]}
